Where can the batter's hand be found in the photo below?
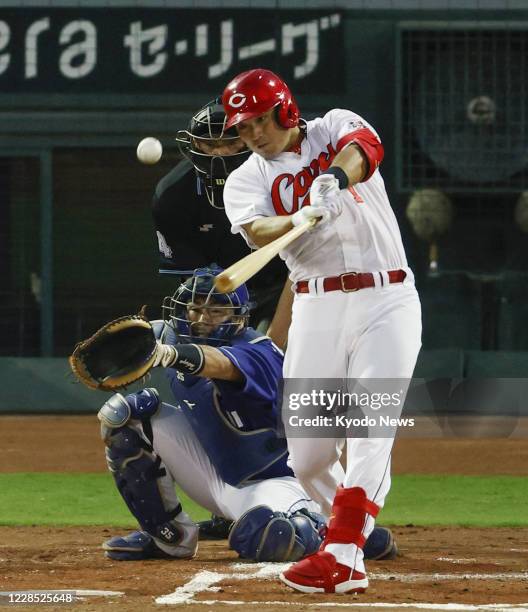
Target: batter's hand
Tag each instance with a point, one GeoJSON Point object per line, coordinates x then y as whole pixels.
{"type": "Point", "coordinates": [324, 187]}
{"type": "Point", "coordinates": [324, 193]}
{"type": "Point", "coordinates": [307, 213]}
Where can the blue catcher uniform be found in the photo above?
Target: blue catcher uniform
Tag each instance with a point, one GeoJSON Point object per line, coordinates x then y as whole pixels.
{"type": "Point", "coordinates": [236, 424]}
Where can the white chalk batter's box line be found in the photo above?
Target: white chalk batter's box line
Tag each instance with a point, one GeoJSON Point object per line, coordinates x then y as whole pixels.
{"type": "Point", "coordinates": [205, 581]}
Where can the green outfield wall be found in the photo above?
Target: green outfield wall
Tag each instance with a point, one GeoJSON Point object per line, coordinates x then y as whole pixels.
{"type": "Point", "coordinates": [46, 385]}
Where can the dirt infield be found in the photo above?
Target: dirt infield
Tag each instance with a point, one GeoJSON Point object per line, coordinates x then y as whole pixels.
{"type": "Point", "coordinates": [437, 565]}
{"type": "Point", "coordinates": [59, 443]}
{"type": "Point", "coordinates": [72, 559]}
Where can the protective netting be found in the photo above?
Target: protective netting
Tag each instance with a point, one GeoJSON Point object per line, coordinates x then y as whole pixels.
{"type": "Point", "coordinates": [464, 109]}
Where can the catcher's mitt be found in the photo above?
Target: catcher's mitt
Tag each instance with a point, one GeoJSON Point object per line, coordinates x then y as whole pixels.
{"type": "Point", "coordinates": [117, 355]}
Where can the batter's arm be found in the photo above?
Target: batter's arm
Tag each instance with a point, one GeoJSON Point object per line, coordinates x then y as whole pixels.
{"type": "Point", "coordinates": [264, 230]}
{"type": "Point", "coordinates": [354, 162]}
{"type": "Point", "coordinates": [280, 324]}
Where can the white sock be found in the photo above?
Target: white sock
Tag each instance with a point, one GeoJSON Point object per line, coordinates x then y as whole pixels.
{"type": "Point", "coordinates": [347, 554]}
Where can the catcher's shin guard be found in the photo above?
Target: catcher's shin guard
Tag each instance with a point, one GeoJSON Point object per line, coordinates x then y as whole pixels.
{"type": "Point", "coordinates": [141, 545]}
{"type": "Point", "coordinates": [322, 572]}
{"type": "Point", "coordinates": [261, 534]}
{"type": "Point", "coordinates": [380, 545]}
{"type": "Point", "coordinates": [148, 492]}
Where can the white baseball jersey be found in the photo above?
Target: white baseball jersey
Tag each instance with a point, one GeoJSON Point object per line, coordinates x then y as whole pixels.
{"type": "Point", "coordinates": [364, 238]}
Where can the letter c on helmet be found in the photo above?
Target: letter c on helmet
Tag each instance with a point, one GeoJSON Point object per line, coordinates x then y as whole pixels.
{"type": "Point", "coordinates": [237, 100]}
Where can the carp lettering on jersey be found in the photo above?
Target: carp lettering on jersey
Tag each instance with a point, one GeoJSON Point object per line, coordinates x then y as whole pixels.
{"type": "Point", "coordinates": [300, 184]}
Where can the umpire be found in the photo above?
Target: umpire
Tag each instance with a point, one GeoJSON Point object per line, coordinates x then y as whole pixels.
{"type": "Point", "coordinates": [192, 228]}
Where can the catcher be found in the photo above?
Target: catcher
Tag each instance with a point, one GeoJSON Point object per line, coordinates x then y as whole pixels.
{"type": "Point", "coordinates": [217, 440]}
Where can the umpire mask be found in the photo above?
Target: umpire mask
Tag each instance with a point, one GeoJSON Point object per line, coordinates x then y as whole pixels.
{"type": "Point", "coordinates": [213, 151]}
{"type": "Point", "coordinates": [201, 315]}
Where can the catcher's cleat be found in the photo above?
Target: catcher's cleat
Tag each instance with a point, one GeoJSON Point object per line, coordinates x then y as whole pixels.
{"type": "Point", "coordinates": [321, 573]}
{"type": "Point", "coordinates": [137, 546]}
{"type": "Point", "coordinates": [380, 545]}
{"type": "Point", "coordinates": [216, 528]}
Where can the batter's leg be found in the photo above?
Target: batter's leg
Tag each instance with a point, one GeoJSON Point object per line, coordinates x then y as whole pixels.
{"type": "Point", "coordinates": [387, 347]}
{"type": "Point", "coordinates": [319, 354]}
{"type": "Point", "coordinates": [319, 472]}
{"type": "Point", "coordinates": [395, 325]}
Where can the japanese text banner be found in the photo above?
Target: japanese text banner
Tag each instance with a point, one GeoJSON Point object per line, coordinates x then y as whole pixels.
{"type": "Point", "coordinates": [175, 51]}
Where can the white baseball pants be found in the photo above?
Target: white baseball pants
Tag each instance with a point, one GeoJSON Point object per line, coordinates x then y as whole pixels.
{"type": "Point", "coordinates": [373, 333]}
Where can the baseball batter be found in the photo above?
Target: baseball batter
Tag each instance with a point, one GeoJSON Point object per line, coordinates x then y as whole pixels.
{"type": "Point", "coordinates": [356, 312]}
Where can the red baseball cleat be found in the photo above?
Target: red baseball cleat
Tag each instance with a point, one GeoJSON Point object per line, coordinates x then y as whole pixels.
{"type": "Point", "coordinates": [321, 573]}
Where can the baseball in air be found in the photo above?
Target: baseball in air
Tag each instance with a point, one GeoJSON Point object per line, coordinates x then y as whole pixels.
{"type": "Point", "coordinates": [149, 151]}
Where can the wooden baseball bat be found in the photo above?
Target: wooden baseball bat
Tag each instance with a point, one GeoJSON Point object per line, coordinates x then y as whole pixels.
{"type": "Point", "coordinates": [231, 278]}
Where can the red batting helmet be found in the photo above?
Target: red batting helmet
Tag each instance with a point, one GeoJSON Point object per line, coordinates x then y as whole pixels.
{"type": "Point", "coordinates": [252, 93]}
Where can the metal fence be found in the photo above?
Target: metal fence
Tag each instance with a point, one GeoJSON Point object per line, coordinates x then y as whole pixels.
{"type": "Point", "coordinates": [96, 255]}
{"type": "Point", "coordinates": [20, 255]}
{"type": "Point", "coordinates": [463, 107]}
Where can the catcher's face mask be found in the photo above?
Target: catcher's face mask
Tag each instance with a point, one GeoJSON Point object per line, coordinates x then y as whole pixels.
{"type": "Point", "coordinates": [213, 151]}
{"type": "Point", "coordinates": [199, 314]}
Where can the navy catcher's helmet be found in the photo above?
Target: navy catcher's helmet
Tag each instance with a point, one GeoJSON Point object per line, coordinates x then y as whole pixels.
{"type": "Point", "coordinates": [200, 314]}
{"type": "Point", "coordinates": [207, 127]}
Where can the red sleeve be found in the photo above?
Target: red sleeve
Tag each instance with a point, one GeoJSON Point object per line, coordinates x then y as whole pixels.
{"type": "Point", "coordinates": [369, 144]}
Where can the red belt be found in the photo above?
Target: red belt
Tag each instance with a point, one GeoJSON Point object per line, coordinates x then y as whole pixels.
{"type": "Point", "coordinates": [352, 281]}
